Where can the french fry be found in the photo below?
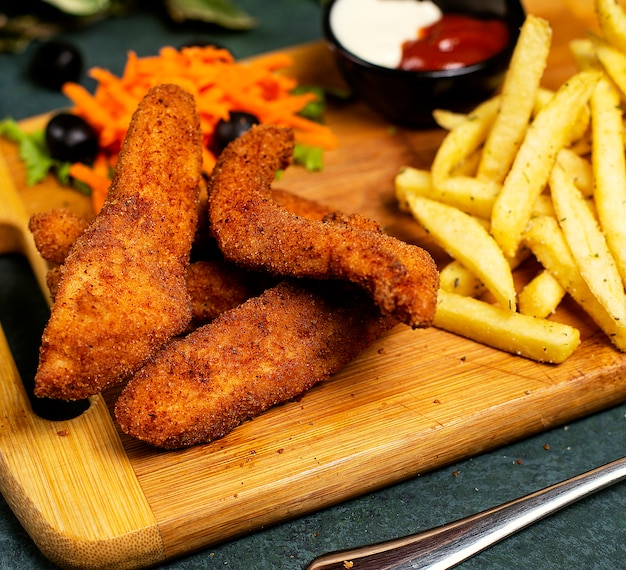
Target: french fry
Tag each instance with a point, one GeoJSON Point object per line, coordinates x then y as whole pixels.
{"type": "Point", "coordinates": [530, 171]}
{"type": "Point", "coordinates": [463, 140]}
{"type": "Point", "coordinates": [461, 236]}
{"type": "Point", "coordinates": [579, 169]}
{"type": "Point", "coordinates": [584, 54]}
{"type": "Point", "coordinates": [544, 206]}
{"type": "Point", "coordinates": [456, 278]}
{"type": "Point", "coordinates": [612, 22]}
{"type": "Point", "coordinates": [541, 295]}
{"type": "Point", "coordinates": [518, 94]}
{"type": "Point", "coordinates": [544, 238]}
{"type": "Point", "coordinates": [587, 244]}
{"type": "Point", "coordinates": [411, 180]}
{"type": "Point", "coordinates": [448, 120]}
{"type": "Point", "coordinates": [613, 62]}
{"type": "Point", "coordinates": [468, 194]}
{"type": "Point", "coordinates": [609, 169]}
{"type": "Point", "coordinates": [539, 339]}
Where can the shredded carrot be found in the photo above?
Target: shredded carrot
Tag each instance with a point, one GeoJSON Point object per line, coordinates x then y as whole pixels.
{"type": "Point", "coordinates": [219, 85]}
{"type": "Point", "coordinates": [96, 177]}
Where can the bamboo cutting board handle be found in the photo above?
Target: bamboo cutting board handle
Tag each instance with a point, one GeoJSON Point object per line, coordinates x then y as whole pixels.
{"type": "Point", "coordinates": [14, 233]}
{"type": "Point", "coordinates": [69, 482]}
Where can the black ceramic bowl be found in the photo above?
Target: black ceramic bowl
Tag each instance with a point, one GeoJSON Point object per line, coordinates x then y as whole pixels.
{"type": "Point", "coordinates": [407, 98]}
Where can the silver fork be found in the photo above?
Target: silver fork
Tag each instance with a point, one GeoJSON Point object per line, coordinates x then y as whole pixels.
{"type": "Point", "coordinates": [450, 544]}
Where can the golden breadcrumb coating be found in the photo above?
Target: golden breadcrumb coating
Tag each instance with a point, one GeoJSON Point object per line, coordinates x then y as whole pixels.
{"type": "Point", "coordinates": [122, 292]}
{"type": "Point", "coordinates": [55, 232]}
{"type": "Point", "coordinates": [254, 230]}
{"type": "Point", "coordinates": [264, 352]}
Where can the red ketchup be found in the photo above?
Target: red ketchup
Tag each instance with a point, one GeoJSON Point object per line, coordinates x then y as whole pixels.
{"type": "Point", "coordinates": [454, 41]}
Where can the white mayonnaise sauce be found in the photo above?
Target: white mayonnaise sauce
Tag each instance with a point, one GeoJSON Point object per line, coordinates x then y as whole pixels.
{"type": "Point", "coordinates": [375, 30]}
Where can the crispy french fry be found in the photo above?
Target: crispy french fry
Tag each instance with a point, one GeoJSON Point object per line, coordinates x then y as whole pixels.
{"type": "Point", "coordinates": [544, 238]}
{"type": "Point", "coordinates": [579, 169]}
{"type": "Point", "coordinates": [584, 54]}
{"type": "Point", "coordinates": [456, 278]}
{"type": "Point", "coordinates": [538, 339]}
{"type": "Point", "coordinates": [468, 194]}
{"type": "Point", "coordinates": [612, 22]}
{"type": "Point", "coordinates": [541, 295]}
{"type": "Point", "coordinates": [411, 180]}
{"type": "Point", "coordinates": [613, 61]}
{"type": "Point", "coordinates": [473, 196]}
{"type": "Point", "coordinates": [544, 206]}
{"type": "Point", "coordinates": [464, 139]}
{"type": "Point", "coordinates": [578, 129]}
{"type": "Point", "coordinates": [518, 94]}
{"type": "Point", "coordinates": [587, 244]}
{"type": "Point", "coordinates": [544, 96]}
{"type": "Point", "coordinates": [462, 236]}
{"type": "Point", "coordinates": [530, 171]}
{"type": "Point", "coordinates": [448, 120]}
{"type": "Point", "coordinates": [609, 168]}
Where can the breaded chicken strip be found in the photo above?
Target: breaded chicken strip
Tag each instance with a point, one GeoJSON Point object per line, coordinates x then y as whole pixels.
{"type": "Point", "coordinates": [265, 352]}
{"type": "Point", "coordinates": [255, 231]}
{"type": "Point", "coordinates": [214, 285]}
{"type": "Point", "coordinates": [55, 232]}
{"type": "Point", "coordinates": [122, 292]}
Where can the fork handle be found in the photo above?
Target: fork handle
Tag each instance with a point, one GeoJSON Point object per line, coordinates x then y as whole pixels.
{"type": "Point", "coordinates": [450, 544]}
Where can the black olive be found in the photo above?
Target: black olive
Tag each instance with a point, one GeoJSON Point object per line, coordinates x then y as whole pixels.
{"type": "Point", "coordinates": [227, 131]}
{"type": "Point", "coordinates": [54, 63]}
{"type": "Point", "coordinates": [70, 138]}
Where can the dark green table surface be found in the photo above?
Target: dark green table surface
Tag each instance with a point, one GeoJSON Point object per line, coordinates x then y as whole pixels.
{"type": "Point", "coordinates": [590, 534]}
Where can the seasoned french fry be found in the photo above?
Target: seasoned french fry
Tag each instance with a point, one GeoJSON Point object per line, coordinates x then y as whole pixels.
{"type": "Point", "coordinates": [544, 206]}
{"type": "Point", "coordinates": [584, 54]}
{"type": "Point", "coordinates": [538, 339]}
{"type": "Point", "coordinates": [545, 239]}
{"type": "Point", "coordinates": [411, 180]}
{"type": "Point", "coordinates": [546, 135]}
{"type": "Point", "coordinates": [464, 139]}
{"type": "Point", "coordinates": [468, 194]}
{"type": "Point", "coordinates": [587, 244]}
{"type": "Point", "coordinates": [541, 295]}
{"type": "Point", "coordinates": [456, 278]}
{"type": "Point", "coordinates": [473, 196]}
{"type": "Point", "coordinates": [613, 61]}
{"type": "Point", "coordinates": [612, 21]}
{"type": "Point", "coordinates": [579, 169]}
{"type": "Point", "coordinates": [448, 120]}
{"type": "Point", "coordinates": [609, 168]}
{"type": "Point", "coordinates": [518, 95]}
{"type": "Point", "coordinates": [462, 236]}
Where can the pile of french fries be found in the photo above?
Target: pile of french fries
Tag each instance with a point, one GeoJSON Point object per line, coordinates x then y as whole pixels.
{"type": "Point", "coordinates": [533, 172]}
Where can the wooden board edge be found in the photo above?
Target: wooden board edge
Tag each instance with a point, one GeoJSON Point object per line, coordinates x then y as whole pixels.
{"type": "Point", "coordinates": [45, 465]}
{"type": "Point", "coordinates": [71, 485]}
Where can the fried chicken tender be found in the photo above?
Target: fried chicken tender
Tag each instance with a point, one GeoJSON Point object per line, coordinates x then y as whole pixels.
{"type": "Point", "coordinates": [122, 292]}
{"type": "Point", "coordinates": [264, 352]}
{"type": "Point", "coordinates": [55, 232]}
{"type": "Point", "coordinates": [214, 284]}
{"type": "Point", "coordinates": [255, 231]}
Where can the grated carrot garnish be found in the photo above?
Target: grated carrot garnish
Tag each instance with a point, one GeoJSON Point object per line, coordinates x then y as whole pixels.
{"type": "Point", "coordinates": [219, 85]}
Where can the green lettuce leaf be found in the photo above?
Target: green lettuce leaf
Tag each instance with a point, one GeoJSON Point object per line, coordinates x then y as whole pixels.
{"type": "Point", "coordinates": [221, 12]}
{"type": "Point", "coordinates": [311, 157]}
{"type": "Point", "coordinates": [32, 150]}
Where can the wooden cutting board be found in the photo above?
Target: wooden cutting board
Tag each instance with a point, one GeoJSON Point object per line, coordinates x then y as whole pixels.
{"type": "Point", "coordinates": [414, 401]}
